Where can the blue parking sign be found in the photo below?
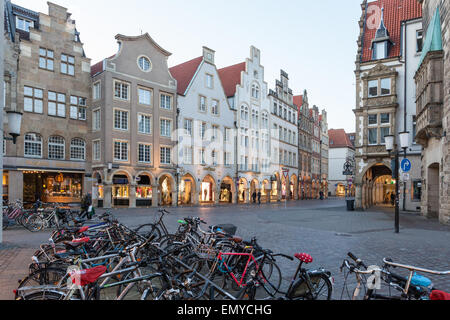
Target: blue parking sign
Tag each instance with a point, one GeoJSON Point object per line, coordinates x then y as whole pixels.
{"type": "Point", "coordinates": [406, 165]}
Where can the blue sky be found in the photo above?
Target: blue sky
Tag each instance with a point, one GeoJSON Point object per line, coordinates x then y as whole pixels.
{"type": "Point", "coordinates": [313, 41]}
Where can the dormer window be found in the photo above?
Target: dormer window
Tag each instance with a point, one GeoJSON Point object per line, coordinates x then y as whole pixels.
{"type": "Point", "coordinates": [382, 42]}
{"type": "Point", "coordinates": [24, 24]}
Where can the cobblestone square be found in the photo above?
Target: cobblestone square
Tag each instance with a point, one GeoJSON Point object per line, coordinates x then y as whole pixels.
{"type": "Point", "coordinates": [324, 229]}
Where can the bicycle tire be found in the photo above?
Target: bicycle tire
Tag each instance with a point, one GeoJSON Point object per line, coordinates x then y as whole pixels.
{"type": "Point", "coordinates": [300, 290]}
{"type": "Point", "coordinates": [149, 231]}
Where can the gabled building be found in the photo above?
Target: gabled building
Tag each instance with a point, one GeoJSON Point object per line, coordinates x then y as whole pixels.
{"type": "Point", "coordinates": [47, 78]}
{"type": "Point", "coordinates": [316, 157]}
{"type": "Point", "coordinates": [247, 94]}
{"type": "Point", "coordinates": [305, 131]}
{"type": "Point", "coordinates": [388, 55]}
{"type": "Point", "coordinates": [324, 152]}
{"type": "Point", "coordinates": [341, 151]}
{"type": "Point", "coordinates": [433, 110]}
{"type": "Point", "coordinates": [206, 139]}
{"type": "Point", "coordinates": [134, 114]}
{"type": "Point", "coordinates": [284, 136]}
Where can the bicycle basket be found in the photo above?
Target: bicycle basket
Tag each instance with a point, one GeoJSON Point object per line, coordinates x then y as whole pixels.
{"type": "Point", "coordinates": [227, 228]}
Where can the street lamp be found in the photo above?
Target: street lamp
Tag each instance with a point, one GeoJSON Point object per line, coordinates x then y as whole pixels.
{"type": "Point", "coordinates": [14, 125]}
{"type": "Point", "coordinates": [392, 148]}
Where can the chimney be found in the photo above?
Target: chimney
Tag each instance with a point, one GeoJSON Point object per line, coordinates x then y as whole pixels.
{"type": "Point", "coordinates": [57, 11]}
{"type": "Point", "coordinates": [208, 55]}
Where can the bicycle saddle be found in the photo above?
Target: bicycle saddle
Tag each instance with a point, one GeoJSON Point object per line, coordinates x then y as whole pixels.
{"type": "Point", "coordinates": [88, 276]}
{"type": "Point", "coordinates": [304, 257]}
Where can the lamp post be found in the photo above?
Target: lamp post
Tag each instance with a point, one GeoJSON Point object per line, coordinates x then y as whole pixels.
{"type": "Point", "coordinates": [391, 147]}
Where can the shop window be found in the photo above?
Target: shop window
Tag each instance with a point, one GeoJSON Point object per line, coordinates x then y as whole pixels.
{"type": "Point", "coordinates": [77, 149]}
{"type": "Point", "coordinates": [417, 191]}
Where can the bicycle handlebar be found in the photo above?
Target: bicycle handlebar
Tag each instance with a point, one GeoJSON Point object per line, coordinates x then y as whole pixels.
{"type": "Point", "coordinates": [357, 260]}
{"type": "Point", "coordinates": [411, 268]}
{"type": "Point", "coordinates": [356, 270]}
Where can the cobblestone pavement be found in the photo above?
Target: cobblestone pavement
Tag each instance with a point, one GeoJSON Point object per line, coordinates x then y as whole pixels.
{"type": "Point", "coordinates": [323, 229]}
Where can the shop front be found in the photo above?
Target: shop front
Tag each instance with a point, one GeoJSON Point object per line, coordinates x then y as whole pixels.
{"type": "Point", "coordinates": [186, 190]}
{"type": "Point", "coordinates": [97, 190]}
{"type": "Point", "coordinates": [144, 191]}
{"type": "Point", "coordinates": [274, 193]}
{"type": "Point", "coordinates": [121, 191]}
{"type": "Point", "coordinates": [226, 193]}
{"type": "Point", "coordinates": [207, 190]}
{"type": "Point", "coordinates": [165, 189]}
{"type": "Point", "coordinates": [52, 187]}
{"type": "Point", "coordinates": [243, 189]}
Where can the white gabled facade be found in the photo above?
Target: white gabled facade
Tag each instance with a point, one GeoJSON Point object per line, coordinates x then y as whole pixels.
{"type": "Point", "coordinates": [284, 138]}
{"type": "Point", "coordinates": [206, 150]}
{"type": "Point", "coordinates": [253, 122]}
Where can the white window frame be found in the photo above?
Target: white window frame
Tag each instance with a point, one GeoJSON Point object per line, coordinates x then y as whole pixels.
{"type": "Point", "coordinates": [150, 91]}
{"type": "Point", "coordinates": [122, 143]}
{"type": "Point", "coordinates": [96, 119]}
{"type": "Point", "coordinates": [145, 145]}
{"type": "Point", "coordinates": [163, 128]}
{"type": "Point", "coordinates": [163, 103]}
{"type": "Point", "coordinates": [121, 122]}
{"type": "Point", "coordinates": [67, 62]}
{"type": "Point", "coordinates": [59, 145]}
{"type": "Point", "coordinates": [123, 93]}
{"type": "Point", "coordinates": [97, 91]}
{"type": "Point", "coordinates": [74, 147]}
{"type": "Point", "coordinates": [38, 143]}
{"type": "Point", "coordinates": [144, 116]}
{"type": "Point", "coordinates": [96, 144]}
{"type": "Point", "coordinates": [165, 155]}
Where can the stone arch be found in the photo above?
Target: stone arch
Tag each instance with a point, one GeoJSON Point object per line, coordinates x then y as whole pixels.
{"type": "Point", "coordinates": [147, 173]}
{"type": "Point", "coordinates": [187, 189]}
{"type": "Point", "coordinates": [294, 187]}
{"type": "Point", "coordinates": [227, 190]}
{"type": "Point", "coordinates": [255, 186]}
{"type": "Point", "coordinates": [144, 189]}
{"type": "Point", "coordinates": [208, 189]}
{"type": "Point", "coordinates": [121, 187]}
{"type": "Point", "coordinates": [166, 189]}
{"type": "Point", "coordinates": [243, 191]}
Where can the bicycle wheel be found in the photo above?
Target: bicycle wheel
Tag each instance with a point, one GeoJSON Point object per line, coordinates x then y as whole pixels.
{"type": "Point", "coordinates": [321, 286]}
{"type": "Point", "coordinates": [34, 223]}
{"type": "Point", "coordinates": [149, 231]}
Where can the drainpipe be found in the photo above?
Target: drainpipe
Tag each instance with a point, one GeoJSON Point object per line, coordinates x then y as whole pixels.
{"type": "Point", "coordinates": [405, 103]}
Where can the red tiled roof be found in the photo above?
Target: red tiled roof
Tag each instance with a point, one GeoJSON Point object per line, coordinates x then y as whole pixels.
{"type": "Point", "coordinates": [231, 77]}
{"type": "Point", "coordinates": [298, 102]}
{"type": "Point", "coordinates": [395, 11]}
{"type": "Point", "coordinates": [339, 139]}
{"type": "Point", "coordinates": [184, 73]}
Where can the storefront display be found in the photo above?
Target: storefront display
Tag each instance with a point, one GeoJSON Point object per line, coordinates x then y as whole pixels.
{"type": "Point", "coordinates": [225, 193]}
{"type": "Point", "coordinates": [121, 191]}
{"type": "Point", "coordinates": [185, 196]}
{"type": "Point", "coordinates": [206, 194]}
{"type": "Point", "coordinates": [52, 187]}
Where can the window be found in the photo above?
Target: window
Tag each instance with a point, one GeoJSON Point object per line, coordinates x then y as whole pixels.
{"type": "Point", "coordinates": [121, 90]}
{"type": "Point", "coordinates": [385, 118]}
{"type": "Point", "coordinates": [46, 59]}
{"type": "Point", "coordinates": [419, 37]}
{"type": "Point", "coordinates": [96, 150]}
{"type": "Point", "coordinates": [255, 91]}
{"type": "Point", "coordinates": [56, 148]}
{"type": "Point", "coordinates": [373, 119]}
{"type": "Point", "coordinates": [145, 97]}
{"type": "Point", "coordinates": [209, 81]}
{"type": "Point", "coordinates": [244, 113]}
{"type": "Point", "coordinates": [144, 124]}
{"type": "Point", "coordinates": [77, 149]}
{"type": "Point", "coordinates": [227, 158]}
{"type": "Point", "coordinates": [373, 88]}
{"type": "Point", "coordinates": [67, 64]}
{"type": "Point", "coordinates": [215, 133]}
{"type": "Point", "coordinates": [166, 102]}
{"type": "Point", "coordinates": [417, 191]}
{"type": "Point", "coordinates": [24, 24]}
{"type": "Point", "coordinates": [166, 128]}
{"type": "Point", "coordinates": [144, 64]}
{"type": "Point", "coordinates": [414, 129]}
{"type": "Point", "coordinates": [96, 118]}
{"type": "Point", "coordinates": [202, 104]}
{"type": "Point", "coordinates": [77, 108]}
{"type": "Point", "coordinates": [215, 108]}
{"type": "Point", "coordinates": [202, 156]}
{"type": "Point", "coordinates": [120, 151]}
{"type": "Point", "coordinates": [145, 153]}
{"type": "Point", "coordinates": [227, 135]}
{"type": "Point", "coordinates": [373, 139]}
{"type": "Point", "coordinates": [121, 120]}
{"type": "Point", "coordinates": [97, 91]}
{"type": "Point", "coordinates": [33, 100]}
{"type": "Point", "coordinates": [384, 131]}
{"type": "Point", "coordinates": [187, 155]}
{"type": "Point", "coordinates": [380, 50]}
{"type": "Point", "coordinates": [165, 155]}
{"type": "Point", "coordinates": [386, 86]}
{"type": "Point", "coordinates": [33, 145]}
{"type": "Point", "coordinates": [188, 127]}
{"type": "Point", "coordinates": [214, 157]}
{"type": "Point", "coordinates": [203, 130]}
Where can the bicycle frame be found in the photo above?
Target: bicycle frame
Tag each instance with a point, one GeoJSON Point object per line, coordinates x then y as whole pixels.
{"type": "Point", "coordinates": [251, 258]}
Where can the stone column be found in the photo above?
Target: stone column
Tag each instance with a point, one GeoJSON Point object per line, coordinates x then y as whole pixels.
{"type": "Point", "coordinates": [155, 196]}
{"type": "Point", "coordinates": [15, 188]}
{"type": "Point", "coordinates": [107, 196]}
{"type": "Point", "coordinates": [174, 199]}
{"type": "Point", "coordinates": [217, 196]}
{"type": "Point", "coordinates": [358, 197]}
{"type": "Point", "coordinates": [133, 196]}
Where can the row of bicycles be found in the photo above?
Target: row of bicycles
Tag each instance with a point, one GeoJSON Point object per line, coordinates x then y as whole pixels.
{"type": "Point", "coordinates": [103, 259]}
{"type": "Point", "coordinates": [41, 215]}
